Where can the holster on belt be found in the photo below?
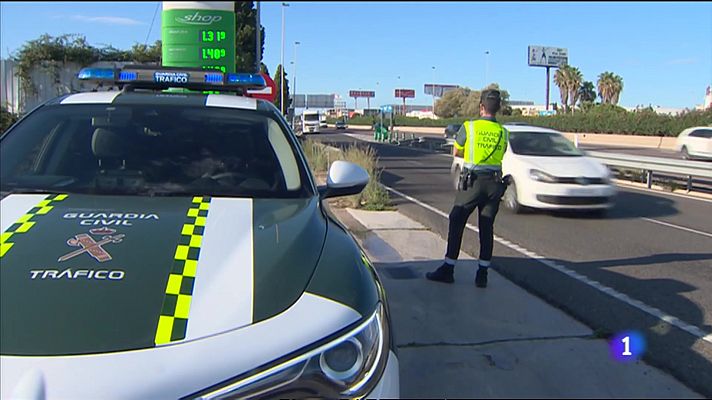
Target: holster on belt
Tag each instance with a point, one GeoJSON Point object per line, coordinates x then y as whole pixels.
{"type": "Point", "coordinates": [466, 180]}
{"type": "Point", "coordinates": [468, 177]}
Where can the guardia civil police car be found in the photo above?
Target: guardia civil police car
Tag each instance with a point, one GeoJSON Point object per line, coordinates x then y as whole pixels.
{"type": "Point", "coordinates": [165, 244]}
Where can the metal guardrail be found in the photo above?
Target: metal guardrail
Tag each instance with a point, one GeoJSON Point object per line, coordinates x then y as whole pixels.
{"type": "Point", "coordinates": [656, 164]}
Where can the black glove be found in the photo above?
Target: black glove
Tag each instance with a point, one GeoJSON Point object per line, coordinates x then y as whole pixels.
{"type": "Point", "coordinates": [507, 180]}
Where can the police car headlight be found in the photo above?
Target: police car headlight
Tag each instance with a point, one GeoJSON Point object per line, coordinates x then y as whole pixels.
{"type": "Point", "coordinates": [347, 366]}
{"type": "Point", "coordinates": [541, 176]}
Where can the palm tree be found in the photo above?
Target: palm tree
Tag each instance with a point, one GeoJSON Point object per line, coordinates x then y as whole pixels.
{"type": "Point", "coordinates": [574, 78]}
{"type": "Point", "coordinates": [604, 86]}
{"type": "Point", "coordinates": [587, 92]}
{"type": "Point", "coordinates": [561, 80]}
{"type": "Point", "coordinates": [617, 89]}
{"type": "Point", "coordinates": [610, 87]}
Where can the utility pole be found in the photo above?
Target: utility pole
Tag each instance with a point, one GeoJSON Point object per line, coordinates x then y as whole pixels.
{"type": "Point", "coordinates": [547, 88]}
{"type": "Point", "coordinates": [258, 36]}
{"type": "Point", "coordinates": [433, 67]}
{"type": "Point", "coordinates": [281, 92]}
{"type": "Point", "coordinates": [294, 96]}
{"type": "Point", "coordinates": [487, 68]}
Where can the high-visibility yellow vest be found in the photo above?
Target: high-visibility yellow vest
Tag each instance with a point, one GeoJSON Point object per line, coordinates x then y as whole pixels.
{"type": "Point", "coordinates": [484, 138]}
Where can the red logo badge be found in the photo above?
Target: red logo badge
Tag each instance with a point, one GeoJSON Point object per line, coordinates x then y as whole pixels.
{"type": "Point", "coordinates": [91, 246]}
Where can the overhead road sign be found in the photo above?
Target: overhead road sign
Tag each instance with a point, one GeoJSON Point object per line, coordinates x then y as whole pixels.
{"type": "Point", "coordinates": [362, 93]}
{"type": "Point", "coordinates": [438, 90]}
{"type": "Point", "coordinates": [320, 100]}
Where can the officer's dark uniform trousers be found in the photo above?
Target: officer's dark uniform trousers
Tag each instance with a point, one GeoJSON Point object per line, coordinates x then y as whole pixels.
{"type": "Point", "coordinates": [484, 194]}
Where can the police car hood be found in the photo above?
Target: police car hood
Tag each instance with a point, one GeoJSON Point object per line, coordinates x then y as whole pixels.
{"type": "Point", "coordinates": [85, 274]}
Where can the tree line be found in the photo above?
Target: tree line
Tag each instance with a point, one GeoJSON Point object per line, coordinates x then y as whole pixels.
{"type": "Point", "coordinates": [574, 90]}
{"type": "Point", "coordinates": [465, 102]}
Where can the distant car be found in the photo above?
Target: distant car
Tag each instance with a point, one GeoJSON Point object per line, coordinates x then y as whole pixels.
{"type": "Point", "coordinates": [451, 131]}
{"type": "Point", "coordinates": [322, 124]}
{"type": "Point", "coordinates": [695, 143]}
{"type": "Point", "coordinates": [341, 125]}
{"type": "Point", "coordinates": [549, 172]}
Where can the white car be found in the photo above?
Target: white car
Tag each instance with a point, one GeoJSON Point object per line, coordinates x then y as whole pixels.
{"type": "Point", "coordinates": [695, 143]}
{"type": "Point", "coordinates": [549, 172]}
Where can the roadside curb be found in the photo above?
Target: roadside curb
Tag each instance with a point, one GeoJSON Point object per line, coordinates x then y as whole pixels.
{"type": "Point", "coordinates": [414, 311]}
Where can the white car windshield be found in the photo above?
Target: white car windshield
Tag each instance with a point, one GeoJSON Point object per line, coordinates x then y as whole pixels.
{"type": "Point", "coordinates": [544, 144]}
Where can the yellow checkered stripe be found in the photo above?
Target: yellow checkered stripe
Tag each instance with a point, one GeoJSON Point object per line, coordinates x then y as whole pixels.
{"type": "Point", "coordinates": [173, 321]}
{"type": "Point", "coordinates": [27, 221]}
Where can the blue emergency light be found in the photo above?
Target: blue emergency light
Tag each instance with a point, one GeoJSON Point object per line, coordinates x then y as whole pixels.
{"type": "Point", "coordinates": [255, 80]}
{"type": "Point", "coordinates": [162, 77]}
{"type": "Point", "coordinates": [103, 74]}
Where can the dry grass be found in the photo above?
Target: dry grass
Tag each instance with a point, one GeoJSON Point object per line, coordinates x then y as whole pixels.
{"type": "Point", "coordinates": [319, 157]}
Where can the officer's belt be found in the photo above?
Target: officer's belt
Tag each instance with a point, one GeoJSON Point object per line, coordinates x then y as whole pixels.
{"type": "Point", "coordinates": [482, 171]}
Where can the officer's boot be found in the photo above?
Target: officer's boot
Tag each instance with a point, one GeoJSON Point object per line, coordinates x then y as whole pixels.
{"type": "Point", "coordinates": [481, 277]}
{"type": "Point", "coordinates": [443, 274]}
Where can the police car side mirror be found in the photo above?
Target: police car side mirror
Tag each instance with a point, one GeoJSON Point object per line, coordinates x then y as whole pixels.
{"type": "Point", "coordinates": [344, 179]}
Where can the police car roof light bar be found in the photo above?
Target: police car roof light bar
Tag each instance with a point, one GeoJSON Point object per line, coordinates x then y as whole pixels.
{"type": "Point", "coordinates": [159, 78]}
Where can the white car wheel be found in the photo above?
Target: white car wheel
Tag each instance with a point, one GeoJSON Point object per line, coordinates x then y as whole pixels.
{"type": "Point", "coordinates": [510, 199]}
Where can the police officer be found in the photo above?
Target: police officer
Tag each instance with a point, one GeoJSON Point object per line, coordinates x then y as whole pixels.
{"type": "Point", "coordinates": [484, 142]}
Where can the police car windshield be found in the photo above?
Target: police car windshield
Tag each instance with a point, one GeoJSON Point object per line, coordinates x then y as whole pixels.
{"type": "Point", "coordinates": [152, 150]}
{"type": "Point", "coordinates": [543, 144]}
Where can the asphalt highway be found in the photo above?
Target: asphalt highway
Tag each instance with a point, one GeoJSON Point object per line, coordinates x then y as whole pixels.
{"type": "Point", "coordinates": [646, 266]}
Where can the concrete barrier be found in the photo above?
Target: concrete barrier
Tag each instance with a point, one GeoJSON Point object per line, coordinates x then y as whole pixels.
{"type": "Point", "coordinates": [654, 142]}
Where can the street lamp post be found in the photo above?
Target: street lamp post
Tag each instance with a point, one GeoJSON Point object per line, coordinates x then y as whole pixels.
{"type": "Point", "coordinates": [281, 92]}
{"type": "Point", "coordinates": [294, 96]}
{"type": "Point", "coordinates": [486, 68]}
{"type": "Point", "coordinates": [433, 91]}
{"type": "Point", "coordinates": [258, 39]}
{"type": "Point", "coordinates": [403, 110]}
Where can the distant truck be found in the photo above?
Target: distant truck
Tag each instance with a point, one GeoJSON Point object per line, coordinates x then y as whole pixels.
{"type": "Point", "coordinates": [311, 121]}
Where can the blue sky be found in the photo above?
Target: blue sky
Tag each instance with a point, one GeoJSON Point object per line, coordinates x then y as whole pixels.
{"type": "Point", "coordinates": [662, 50]}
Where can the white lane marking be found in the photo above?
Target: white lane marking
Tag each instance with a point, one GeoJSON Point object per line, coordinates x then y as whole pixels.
{"type": "Point", "coordinates": [682, 228]}
{"type": "Point", "coordinates": [695, 331]}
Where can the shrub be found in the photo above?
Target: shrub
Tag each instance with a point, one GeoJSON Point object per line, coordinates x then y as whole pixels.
{"type": "Point", "coordinates": [7, 119]}
{"type": "Point", "coordinates": [374, 196]}
{"type": "Point", "coordinates": [599, 118]}
{"type": "Point", "coordinates": [316, 154]}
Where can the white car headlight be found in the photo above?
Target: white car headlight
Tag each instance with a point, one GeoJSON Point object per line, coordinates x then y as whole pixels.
{"type": "Point", "coordinates": [541, 176]}
{"type": "Point", "coordinates": [608, 177]}
{"type": "Point", "coordinates": [349, 365]}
